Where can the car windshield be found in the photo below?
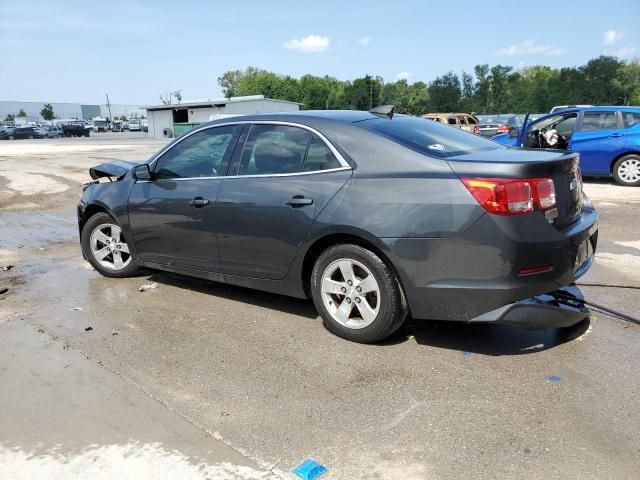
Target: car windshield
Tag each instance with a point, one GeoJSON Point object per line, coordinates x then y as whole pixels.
{"type": "Point", "coordinates": [430, 138]}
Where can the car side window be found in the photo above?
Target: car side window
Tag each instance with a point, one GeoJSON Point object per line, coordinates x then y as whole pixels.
{"type": "Point", "coordinates": [274, 149]}
{"type": "Point", "coordinates": [452, 120]}
{"type": "Point", "coordinates": [199, 155]}
{"type": "Point", "coordinates": [592, 121]}
{"type": "Point", "coordinates": [462, 120]}
{"type": "Point", "coordinates": [471, 120]}
{"type": "Point", "coordinates": [319, 157]}
{"type": "Point", "coordinates": [631, 119]}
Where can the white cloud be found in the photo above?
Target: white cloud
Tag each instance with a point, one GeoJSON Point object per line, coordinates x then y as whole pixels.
{"type": "Point", "coordinates": [625, 52]}
{"type": "Point", "coordinates": [364, 41]}
{"type": "Point", "coordinates": [309, 44]}
{"type": "Point", "coordinates": [611, 37]}
{"type": "Point", "coordinates": [403, 76]}
{"type": "Point", "coordinates": [531, 47]}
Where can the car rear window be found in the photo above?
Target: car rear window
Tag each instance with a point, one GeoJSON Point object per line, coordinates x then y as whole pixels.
{"type": "Point", "coordinates": [427, 137]}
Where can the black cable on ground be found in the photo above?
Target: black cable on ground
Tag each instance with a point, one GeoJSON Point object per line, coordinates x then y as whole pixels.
{"type": "Point", "coordinates": [599, 307]}
{"type": "Point", "coordinates": [606, 285]}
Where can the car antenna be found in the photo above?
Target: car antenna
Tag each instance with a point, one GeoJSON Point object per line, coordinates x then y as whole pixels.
{"type": "Point", "coordinates": [385, 110]}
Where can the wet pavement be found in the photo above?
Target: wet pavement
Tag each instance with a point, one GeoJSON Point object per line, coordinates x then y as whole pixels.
{"type": "Point", "coordinates": [437, 400]}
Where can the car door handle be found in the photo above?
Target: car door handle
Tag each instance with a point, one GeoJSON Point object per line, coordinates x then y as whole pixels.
{"type": "Point", "coordinates": [615, 135]}
{"type": "Point", "coordinates": [199, 202]}
{"type": "Point", "coordinates": [299, 201]}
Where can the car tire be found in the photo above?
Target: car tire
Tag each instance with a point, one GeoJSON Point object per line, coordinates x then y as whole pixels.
{"type": "Point", "coordinates": [97, 238]}
{"type": "Point", "coordinates": [626, 171]}
{"type": "Point", "coordinates": [365, 315]}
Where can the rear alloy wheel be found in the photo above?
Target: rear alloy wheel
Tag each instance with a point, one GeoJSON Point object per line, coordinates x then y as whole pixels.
{"type": "Point", "coordinates": [626, 171]}
{"type": "Point", "coordinates": [357, 294]}
{"type": "Point", "coordinates": [105, 247]}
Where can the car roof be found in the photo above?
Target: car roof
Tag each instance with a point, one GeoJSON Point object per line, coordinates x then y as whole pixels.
{"type": "Point", "coordinates": [601, 108]}
{"type": "Point", "coordinates": [304, 117]}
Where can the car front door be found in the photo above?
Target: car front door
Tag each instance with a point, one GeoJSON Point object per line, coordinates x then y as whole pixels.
{"type": "Point", "coordinates": [598, 138]}
{"type": "Point", "coordinates": [278, 184]}
{"type": "Point", "coordinates": [172, 216]}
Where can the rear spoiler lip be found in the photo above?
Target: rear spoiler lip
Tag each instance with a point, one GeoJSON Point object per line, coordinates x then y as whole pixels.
{"type": "Point", "coordinates": [526, 169]}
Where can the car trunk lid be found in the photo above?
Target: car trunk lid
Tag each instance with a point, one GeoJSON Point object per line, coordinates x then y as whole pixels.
{"type": "Point", "coordinates": [559, 165]}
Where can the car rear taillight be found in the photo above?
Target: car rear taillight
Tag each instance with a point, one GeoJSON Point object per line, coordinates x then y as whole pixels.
{"type": "Point", "coordinates": [512, 196]}
{"type": "Point", "coordinates": [545, 192]}
{"type": "Point", "coordinates": [503, 129]}
{"type": "Point", "coordinates": [476, 129]}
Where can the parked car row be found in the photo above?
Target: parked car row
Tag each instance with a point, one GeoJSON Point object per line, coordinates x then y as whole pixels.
{"type": "Point", "coordinates": [19, 132]}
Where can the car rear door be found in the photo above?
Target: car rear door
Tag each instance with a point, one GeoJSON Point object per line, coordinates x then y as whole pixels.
{"type": "Point", "coordinates": [278, 184]}
{"type": "Point", "coordinates": [172, 216]}
{"type": "Point", "coordinates": [599, 136]}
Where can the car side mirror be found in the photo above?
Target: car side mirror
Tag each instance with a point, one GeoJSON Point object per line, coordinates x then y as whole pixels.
{"type": "Point", "coordinates": [513, 132]}
{"type": "Point", "coordinates": [142, 172]}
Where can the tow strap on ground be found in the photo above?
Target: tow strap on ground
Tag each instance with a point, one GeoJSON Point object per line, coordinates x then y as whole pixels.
{"type": "Point", "coordinates": [610, 311]}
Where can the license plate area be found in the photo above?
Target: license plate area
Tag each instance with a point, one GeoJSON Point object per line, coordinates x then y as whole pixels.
{"type": "Point", "coordinates": [585, 251]}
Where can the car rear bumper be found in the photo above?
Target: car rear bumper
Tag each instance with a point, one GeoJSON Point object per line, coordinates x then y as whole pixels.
{"type": "Point", "coordinates": [562, 308]}
{"type": "Point", "coordinates": [477, 276]}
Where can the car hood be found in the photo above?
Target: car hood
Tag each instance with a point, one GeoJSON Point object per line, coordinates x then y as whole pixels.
{"type": "Point", "coordinates": [114, 169]}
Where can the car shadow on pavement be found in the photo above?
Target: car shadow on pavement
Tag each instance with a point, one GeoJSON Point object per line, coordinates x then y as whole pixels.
{"type": "Point", "coordinates": [294, 306]}
{"type": "Point", "coordinates": [485, 339]}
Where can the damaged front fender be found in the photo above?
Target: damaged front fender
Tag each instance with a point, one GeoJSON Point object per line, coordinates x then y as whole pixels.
{"type": "Point", "coordinates": [116, 169]}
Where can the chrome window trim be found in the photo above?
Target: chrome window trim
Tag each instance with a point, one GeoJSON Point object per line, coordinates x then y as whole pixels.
{"type": "Point", "coordinates": [266, 175]}
{"type": "Point", "coordinates": [344, 164]}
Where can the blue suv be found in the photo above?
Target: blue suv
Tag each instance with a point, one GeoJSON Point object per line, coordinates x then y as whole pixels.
{"type": "Point", "coordinates": [607, 139]}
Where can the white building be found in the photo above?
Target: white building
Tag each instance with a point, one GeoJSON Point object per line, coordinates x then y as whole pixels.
{"type": "Point", "coordinates": [173, 120]}
{"type": "Point", "coordinates": [69, 110]}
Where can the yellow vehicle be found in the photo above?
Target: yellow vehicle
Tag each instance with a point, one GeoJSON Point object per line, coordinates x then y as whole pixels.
{"type": "Point", "coordinates": [463, 121]}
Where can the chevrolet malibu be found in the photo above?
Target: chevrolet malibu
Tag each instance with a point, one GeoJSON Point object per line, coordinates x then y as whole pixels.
{"type": "Point", "coordinates": [374, 216]}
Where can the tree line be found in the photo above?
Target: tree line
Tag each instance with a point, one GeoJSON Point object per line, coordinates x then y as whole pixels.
{"type": "Point", "coordinates": [604, 80]}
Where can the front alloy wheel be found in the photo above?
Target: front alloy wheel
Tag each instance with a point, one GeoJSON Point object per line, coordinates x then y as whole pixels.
{"type": "Point", "coordinates": [105, 247]}
{"type": "Point", "coordinates": [109, 247]}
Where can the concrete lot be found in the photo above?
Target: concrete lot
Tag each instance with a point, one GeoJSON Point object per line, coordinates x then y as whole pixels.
{"type": "Point", "coordinates": [231, 383]}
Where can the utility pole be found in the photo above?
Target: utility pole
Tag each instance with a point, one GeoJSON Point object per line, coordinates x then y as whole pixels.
{"type": "Point", "coordinates": [370, 96]}
{"type": "Point", "coordinates": [109, 107]}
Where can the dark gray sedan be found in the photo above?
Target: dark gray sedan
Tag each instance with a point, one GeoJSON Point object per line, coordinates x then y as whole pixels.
{"type": "Point", "coordinates": [373, 215]}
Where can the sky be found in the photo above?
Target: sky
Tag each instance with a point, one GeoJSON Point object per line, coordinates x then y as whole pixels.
{"type": "Point", "coordinates": [77, 51]}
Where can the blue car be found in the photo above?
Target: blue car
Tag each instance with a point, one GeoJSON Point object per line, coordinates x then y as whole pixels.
{"type": "Point", "coordinates": [607, 139]}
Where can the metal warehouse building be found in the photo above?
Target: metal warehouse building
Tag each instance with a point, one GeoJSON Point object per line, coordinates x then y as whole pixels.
{"type": "Point", "coordinates": [173, 120]}
{"type": "Point", "coordinates": [69, 110]}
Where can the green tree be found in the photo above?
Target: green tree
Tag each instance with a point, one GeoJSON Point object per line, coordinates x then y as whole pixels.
{"type": "Point", "coordinates": [418, 98]}
{"type": "Point", "coordinates": [498, 87]}
{"type": "Point", "coordinates": [47, 112]}
{"type": "Point", "coordinates": [230, 80]}
{"type": "Point", "coordinates": [10, 118]}
{"type": "Point", "coordinates": [22, 113]}
{"type": "Point", "coordinates": [628, 82]}
{"type": "Point", "coordinates": [483, 87]}
{"type": "Point", "coordinates": [364, 93]}
{"type": "Point", "coordinates": [445, 93]}
{"type": "Point", "coordinates": [599, 84]}
{"type": "Point", "coordinates": [398, 94]}
{"type": "Point", "coordinates": [178, 95]}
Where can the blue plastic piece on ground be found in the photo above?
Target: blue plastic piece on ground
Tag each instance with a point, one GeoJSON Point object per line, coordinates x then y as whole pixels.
{"type": "Point", "coordinates": [466, 354]}
{"type": "Point", "coordinates": [554, 378]}
{"type": "Point", "coordinates": [309, 470]}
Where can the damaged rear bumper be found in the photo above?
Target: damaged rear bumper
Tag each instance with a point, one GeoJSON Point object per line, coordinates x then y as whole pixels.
{"type": "Point", "coordinates": [562, 308]}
